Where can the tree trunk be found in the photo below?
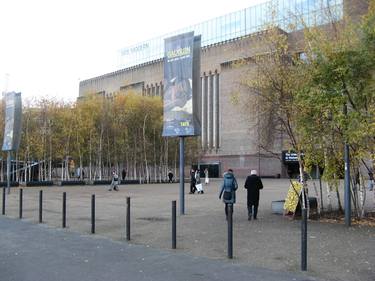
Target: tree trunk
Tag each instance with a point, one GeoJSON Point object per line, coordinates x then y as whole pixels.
{"type": "Point", "coordinates": [2, 170]}
{"type": "Point", "coordinates": [17, 174]}
{"type": "Point", "coordinates": [339, 200]}
{"type": "Point", "coordinates": [90, 157]}
{"type": "Point", "coordinates": [144, 148]}
{"type": "Point", "coordinates": [100, 153]}
{"type": "Point", "coordinates": [329, 202]}
{"type": "Point", "coordinates": [50, 158]}
{"type": "Point", "coordinates": [175, 163]}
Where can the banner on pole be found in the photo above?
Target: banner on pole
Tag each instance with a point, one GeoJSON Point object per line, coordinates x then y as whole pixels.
{"type": "Point", "coordinates": [181, 85]}
{"type": "Point", "coordinates": [13, 121]}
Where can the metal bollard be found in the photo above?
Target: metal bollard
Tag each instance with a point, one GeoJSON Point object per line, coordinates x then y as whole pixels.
{"type": "Point", "coordinates": [93, 213]}
{"type": "Point", "coordinates": [128, 218]}
{"type": "Point", "coordinates": [3, 201]}
{"type": "Point", "coordinates": [21, 203]}
{"type": "Point", "coordinates": [230, 231]}
{"type": "Point", "coordinates": [304, 240]}
{"type": "Point", "coordinates": [40, 206]}
{"type": "Point", "coordinates": [173, 224]}
{"type": "Point", "coordinates": [64, 210]}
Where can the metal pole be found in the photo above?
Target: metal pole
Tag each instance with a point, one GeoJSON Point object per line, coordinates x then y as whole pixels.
{"type": "Point", "coordinates": [347, 193]}
{"type": "Point", "coordinates": [128, 218]}
{"type": "Point", "coordinates": [4, 200]}
{"type": "Point", "coordinates": [40, 206]}
{"type": "Point", "coordinates": [320, 187]}
{"type": "Point", "coordinates": [93, 213]}
{"type": "Point", "coordinates": [348, 210]}
{"type": "Point", "coordinates": [230, 231]}
{"type": "Point", "coordinates": [8, 172]}
{"type": "Point", "coordinates": [64, 210]}
{"type": "Point", "coordinates": [304, 240]}
{"type": "Point", "coordinates": [21, 203]}
{"type": "Point", "coordinates": [173, 224]}
{"type": "Point", "coordinates": [182, 176]}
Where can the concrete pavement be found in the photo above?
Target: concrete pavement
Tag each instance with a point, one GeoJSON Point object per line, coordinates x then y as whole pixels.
{"type": "Point", "coordinates": [32, 252]}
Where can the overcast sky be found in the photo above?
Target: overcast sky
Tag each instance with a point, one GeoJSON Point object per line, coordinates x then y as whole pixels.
{"type": "Point", "coordinates": [48, 46]}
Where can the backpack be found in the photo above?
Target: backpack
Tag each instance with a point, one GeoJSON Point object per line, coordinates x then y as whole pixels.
{"type": "Point", "coordinates": [228, 190]}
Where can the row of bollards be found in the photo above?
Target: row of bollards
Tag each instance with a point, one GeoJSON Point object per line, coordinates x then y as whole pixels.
{"type": "Point", "coordinates": [3, 212]}
{"type": "Point", "coordinates": [64, 211]}
{"type": "Point", "coordinates": [40, 206]}
{"type": "Point", "coordinates": [128, 218]}
{"type": "Point", "coordinates": [92, 213]}
{"type": "Point", "coordinates": [174, 224]}
{"type": "Point", "coordinates": [21, 203]}
{"type": "Point", "coordinates": [230, 231]}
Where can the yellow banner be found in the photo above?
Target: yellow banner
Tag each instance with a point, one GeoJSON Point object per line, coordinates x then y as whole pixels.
{"type": "Point", "coordinates": [291, 200]}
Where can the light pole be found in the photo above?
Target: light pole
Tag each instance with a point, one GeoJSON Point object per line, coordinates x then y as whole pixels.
{"type": "Point", "coordinates": [347, 191]}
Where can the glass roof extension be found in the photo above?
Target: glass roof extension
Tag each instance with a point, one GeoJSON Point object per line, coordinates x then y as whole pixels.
{"type": "Point", "coordinates": [286, 14]}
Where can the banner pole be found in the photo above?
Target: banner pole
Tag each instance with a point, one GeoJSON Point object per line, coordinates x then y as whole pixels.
{"type": "Point", "coordinates": [8, 172]}
{"type": "Point", "coordinates": [182, 176]}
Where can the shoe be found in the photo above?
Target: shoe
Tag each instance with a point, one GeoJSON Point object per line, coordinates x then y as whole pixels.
{"type": "Point", "coordinates": [255, 218]}
{"type": "Point", "coordinates": [249, 217]}
{"type": "Point", "coordinates": [109, 189]}
{"type": "Point", "coordinates": [190, 192]}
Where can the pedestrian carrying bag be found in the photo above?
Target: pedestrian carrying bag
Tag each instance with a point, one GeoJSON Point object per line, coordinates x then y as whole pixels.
{"type": "Point", "coordinates": [227, 196]}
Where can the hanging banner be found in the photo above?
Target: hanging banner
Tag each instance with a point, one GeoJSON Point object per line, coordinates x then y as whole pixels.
{"type": "Point", "coordinates": [13, 121]}
{"type": "Point", "coordinates": [181, 70]}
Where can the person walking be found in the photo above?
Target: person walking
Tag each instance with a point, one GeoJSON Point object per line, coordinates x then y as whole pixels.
{"type": "Point", "coordinates": [253, 184]}
{"type": "Point", "coordinates": [123, 174]}
{"type": "Point", "coordinates": [192, 182]}
{"type": "Point", "coordinates": [371, 182]}
{"type": "Point", "coordinates": [198, 184]}
{"type": "Point", "coordinates": [115, 182]}
{"type": "Point", "coordinates": [170, 176]}
{"type": "Point", "coordinates": [206, 178]}
{"type": "Point", "coordinates": [228, 190]}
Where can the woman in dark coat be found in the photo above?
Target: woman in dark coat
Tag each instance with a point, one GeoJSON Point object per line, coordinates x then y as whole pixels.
{"type": "Point", "coordinates": [192, 182]}
{"type": "Point", "coordinates": [253, 184]}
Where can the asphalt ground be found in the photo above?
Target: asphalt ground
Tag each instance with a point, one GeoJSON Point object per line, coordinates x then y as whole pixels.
{"type": "Point", "coordinates": [335, 252]}
{"type": "Point", "coordinates": [37, 253]}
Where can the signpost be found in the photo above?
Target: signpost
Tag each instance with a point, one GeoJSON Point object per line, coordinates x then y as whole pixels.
{"type": "Point", "coordinates": [181, 85]}
{"type": "Point", "coordinates": [12, 128]}
{"type": "Point", "coordinates": [292, 198]}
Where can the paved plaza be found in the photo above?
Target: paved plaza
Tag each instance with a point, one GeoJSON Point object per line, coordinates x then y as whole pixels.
{"type": "Point", "coordinates": [272, 242]}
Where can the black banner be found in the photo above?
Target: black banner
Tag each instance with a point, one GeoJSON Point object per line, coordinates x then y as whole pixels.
{"type": "Point", "coordinates": [181, 85]}
{"type": "Point", "coordinates": [13, 120]}
{"type": "Point", "coordinates": [290, 156]}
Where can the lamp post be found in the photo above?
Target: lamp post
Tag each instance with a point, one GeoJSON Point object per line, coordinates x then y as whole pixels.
{"type": "Point", "coordinates": [347, 191]}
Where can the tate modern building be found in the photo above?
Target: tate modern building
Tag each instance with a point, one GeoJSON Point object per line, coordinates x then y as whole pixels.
{"type": "Point", "coordinates": [229, 135]}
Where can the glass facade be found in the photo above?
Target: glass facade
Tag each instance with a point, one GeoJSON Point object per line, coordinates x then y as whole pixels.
{"type": "Point", "coordinates": [286, 14]}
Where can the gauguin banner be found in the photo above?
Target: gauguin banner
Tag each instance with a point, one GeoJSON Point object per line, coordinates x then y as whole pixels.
{"type": "Point", "coordinates": [13, 120]}
{"type": "Point", "coordinates": [180, 117]}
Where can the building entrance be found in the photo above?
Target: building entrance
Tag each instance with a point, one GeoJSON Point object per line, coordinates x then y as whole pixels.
{"type": "Point", "coordinates": [213, 169]}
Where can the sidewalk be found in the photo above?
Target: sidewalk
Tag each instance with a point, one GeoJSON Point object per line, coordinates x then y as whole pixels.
{"type": "Point", "coordinates": [39, 253]}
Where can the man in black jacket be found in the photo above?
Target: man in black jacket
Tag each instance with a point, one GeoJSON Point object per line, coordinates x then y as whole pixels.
{"type": "Point", "coordinates": [253, 184]}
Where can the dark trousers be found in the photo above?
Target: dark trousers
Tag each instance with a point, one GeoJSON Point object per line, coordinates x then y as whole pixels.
{"type": "Point", "coordinates": [226, 209]}
{"type": "Point", "coordinates": [250, 206]}
{"type": "Point", "coordinates": [192, 187]}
